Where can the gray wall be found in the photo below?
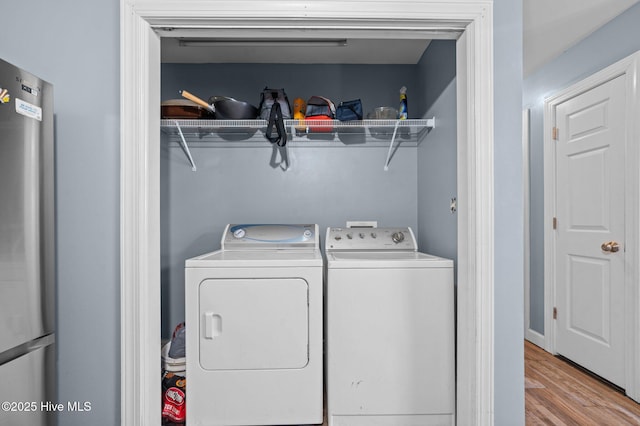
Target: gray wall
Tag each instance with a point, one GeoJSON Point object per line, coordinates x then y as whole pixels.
{"type": "Point", "coordinates": [75, 46]}
{"type": "Point", "coordinates": [376, 85]}
{"type": "Point", "coordinates": [509, 309]}
{"type": "Point", "coordinates": [325, 185]}
{"type": "Point", "coordinates": [437, 155]}
{"type": "Point", "coordinates": [616, 40]}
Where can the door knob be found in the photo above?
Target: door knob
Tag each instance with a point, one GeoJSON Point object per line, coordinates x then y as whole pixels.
{"type": "Point", "coordinates": [610, 246]}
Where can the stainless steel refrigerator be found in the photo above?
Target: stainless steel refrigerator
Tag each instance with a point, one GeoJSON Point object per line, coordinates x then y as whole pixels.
{"type": "Point", "coordinates": [27, 250]}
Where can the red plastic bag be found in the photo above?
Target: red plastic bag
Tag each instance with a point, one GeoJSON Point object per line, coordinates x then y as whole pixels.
{"type": "Point", "coordinates": [174, 399]}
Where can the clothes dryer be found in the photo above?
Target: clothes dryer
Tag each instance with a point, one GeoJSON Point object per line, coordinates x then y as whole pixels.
{"type": "Point", "coordinates": [254, 328]}
{"type": "Point", "coordinates": [389, 330]}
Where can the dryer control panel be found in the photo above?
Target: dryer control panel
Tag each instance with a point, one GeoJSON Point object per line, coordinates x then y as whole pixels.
{"type": "Point", "coordinates": [270, 237]}
{"type": "Point", "coordinates": [364, 239]}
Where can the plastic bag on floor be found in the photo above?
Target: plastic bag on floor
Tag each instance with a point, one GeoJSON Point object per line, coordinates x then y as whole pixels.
{"type": "Point", "coordinates": [174, 406]}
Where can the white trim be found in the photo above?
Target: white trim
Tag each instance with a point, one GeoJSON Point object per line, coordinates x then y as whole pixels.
{"type": "Point", "coordinates": [475, 223]}
{"type": "Point", "coordinates": [140, 249]}
{"type": "Point", "coordinates": [549, 155]}
{"type": "Point", "coordinates": [139, 221]}
{"type": "Point", "coordinates": [628, 67]}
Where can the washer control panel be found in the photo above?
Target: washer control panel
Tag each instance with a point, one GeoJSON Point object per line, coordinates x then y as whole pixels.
{"type": "Point", "coordinates": [361, 239]}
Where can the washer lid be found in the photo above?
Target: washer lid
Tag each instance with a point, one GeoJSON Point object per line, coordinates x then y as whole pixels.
{"type": "Point", "coordinates": [385, 259]}
{"type": "Point", "coordinates": [270, 237]}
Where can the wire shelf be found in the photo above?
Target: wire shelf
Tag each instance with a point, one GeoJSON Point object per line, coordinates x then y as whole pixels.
{"type": "Point", "coordinates": [411, 130]}
{"type": "Point", "coordinates": [307, 133]}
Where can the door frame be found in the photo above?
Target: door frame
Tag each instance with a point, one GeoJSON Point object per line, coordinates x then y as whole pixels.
{"type": "Point", "coordinates": [627, 67]}
{"type": "Point", "coordinates": [471, 23]}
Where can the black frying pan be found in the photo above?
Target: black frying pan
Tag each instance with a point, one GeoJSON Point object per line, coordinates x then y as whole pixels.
{"type": "Point", "coordinates": [225, 108]}
{"type": "Point", "coordinates": [232, 109]}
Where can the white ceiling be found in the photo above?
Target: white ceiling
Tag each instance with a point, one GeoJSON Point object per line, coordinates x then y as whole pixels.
{"type": "Point", "coordinates": [553, 26]}
{"type": "Point", "coordinates": [550, 27]}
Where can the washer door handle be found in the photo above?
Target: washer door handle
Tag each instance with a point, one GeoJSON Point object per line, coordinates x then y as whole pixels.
{"type": "Point", "coordinates": [212, 325]}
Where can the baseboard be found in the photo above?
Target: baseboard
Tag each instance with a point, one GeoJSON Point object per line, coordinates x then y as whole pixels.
{"type": "Point", "coordinates": [535, 338]}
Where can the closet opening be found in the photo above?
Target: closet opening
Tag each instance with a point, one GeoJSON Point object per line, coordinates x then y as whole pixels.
{"type": "Point", "coordinates": [143, 182]}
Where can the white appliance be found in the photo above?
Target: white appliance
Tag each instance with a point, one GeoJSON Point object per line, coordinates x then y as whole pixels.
{"type": "Point", "coordinates": [254, 328]}
{"type": "Point", "coordinates": [389, 330]}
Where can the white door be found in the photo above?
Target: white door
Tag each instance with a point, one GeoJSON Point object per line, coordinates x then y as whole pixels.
{"type": "Point", "coordinates": [590, 150]}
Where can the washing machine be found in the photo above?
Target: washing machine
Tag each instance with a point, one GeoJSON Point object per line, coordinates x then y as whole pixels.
{"type": "Point", "coordinates": [254, 328]}
{"type": "Point", "coordinates": [389, 330]}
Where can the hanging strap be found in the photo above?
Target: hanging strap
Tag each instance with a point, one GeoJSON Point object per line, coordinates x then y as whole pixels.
{"type": "Point", "coordinates": [276, 122]}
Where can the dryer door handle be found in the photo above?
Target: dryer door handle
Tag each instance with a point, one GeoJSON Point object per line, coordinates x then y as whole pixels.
{"type": "Point", "coordinates": [212, 325]}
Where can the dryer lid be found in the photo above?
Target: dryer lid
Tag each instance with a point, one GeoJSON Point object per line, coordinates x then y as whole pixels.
{"type": "Point", "coordinates": [256, 259]}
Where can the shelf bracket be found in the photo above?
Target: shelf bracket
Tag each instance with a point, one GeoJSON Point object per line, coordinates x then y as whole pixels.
{"type": "Point", "coordinates": [185, 147]}
{"type": "Point", "coordinates": [431, 123]}
{"type": "Point", "coordinates": [393, 139]}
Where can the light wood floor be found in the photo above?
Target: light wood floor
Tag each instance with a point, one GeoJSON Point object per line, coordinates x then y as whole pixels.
{"type": "Point", "coordinates": [558, 393]}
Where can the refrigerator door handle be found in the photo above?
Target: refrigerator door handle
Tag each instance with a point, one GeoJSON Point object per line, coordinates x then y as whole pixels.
{"type": "Point", "coordinates": [25, 348]}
